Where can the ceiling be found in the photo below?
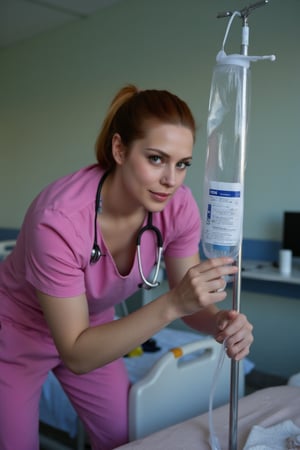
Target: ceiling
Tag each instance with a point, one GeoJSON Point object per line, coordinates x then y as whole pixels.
{"type": "Point", "coordinates": [21, 19]}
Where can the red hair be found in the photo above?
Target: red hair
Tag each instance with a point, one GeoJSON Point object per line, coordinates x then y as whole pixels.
{"type": "Point", "coordinates": [129, 113]}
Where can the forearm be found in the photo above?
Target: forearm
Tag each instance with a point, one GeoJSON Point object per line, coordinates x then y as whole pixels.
{"type": "Point", "coordinates": [203, 321]}
{"type": "Point", "coordinates": [84, 348]}
{"type": "Point", "coordinates": [100, 345]}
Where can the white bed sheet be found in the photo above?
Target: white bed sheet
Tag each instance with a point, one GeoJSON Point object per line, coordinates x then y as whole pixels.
{"type": "Point", "coordinates": [266, 408]}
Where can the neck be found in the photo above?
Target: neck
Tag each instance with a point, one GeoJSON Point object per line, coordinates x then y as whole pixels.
{"type": "Point", "coordinates": [115, 201]}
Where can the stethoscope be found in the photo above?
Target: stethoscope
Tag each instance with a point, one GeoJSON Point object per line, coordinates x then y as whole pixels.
{"type": "Point", "coordinates": [97, 253]}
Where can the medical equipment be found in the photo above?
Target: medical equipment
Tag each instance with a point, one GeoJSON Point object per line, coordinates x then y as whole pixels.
{"type": "Point", "coordinates": [213, 439]}
{"type": "Point", "coordinates": [167, 387]}
{"type": "Point", "coordinates": [150, 227]}
{"type": "Point", "coordinates": [6, 248]}
{"type": "Point", "coordinates": [176, 386]}
{"type": "Point", "coordinates": [224, 172]}
{"type": "Point", "coordinates": [97, 253]}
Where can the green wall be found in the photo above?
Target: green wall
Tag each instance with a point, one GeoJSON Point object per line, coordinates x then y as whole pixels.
{"type": "Point", "coordinates": [55, 89]}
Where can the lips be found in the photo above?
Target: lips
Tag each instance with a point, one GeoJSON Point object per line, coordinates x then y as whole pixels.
{"type": "Point", "coordinates": [160, 196]}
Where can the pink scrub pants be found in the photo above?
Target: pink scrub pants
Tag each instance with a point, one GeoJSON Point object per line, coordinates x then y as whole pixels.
{"type": "Point", "coordinates": [99, 397]}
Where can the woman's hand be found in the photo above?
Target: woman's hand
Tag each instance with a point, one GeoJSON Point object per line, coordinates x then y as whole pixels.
{"type": "Point", "coordinates": [234, 328]}
{"type": "Point", "coordinates": [202, 286]}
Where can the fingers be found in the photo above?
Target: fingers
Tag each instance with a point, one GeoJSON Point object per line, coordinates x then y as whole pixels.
{"type": "Point", "coordinates": [237, 355]}
{"type": "Point", "coordinates": [238, 349]}
{"type": "Point", "coordinates": [215, 290]}
{"type": "Point", "coordinates": [213, 273]}
{"type": "Point", "coordinates": [221, 266]}
{"type": "Point", "coordinates": [218, 285]}
{"type": "Point", "coordinates": [224, 285]}
{"type": "Point", "coordinates": [237, 332]}
{"type": "Point", "coordinates": [203, 285]}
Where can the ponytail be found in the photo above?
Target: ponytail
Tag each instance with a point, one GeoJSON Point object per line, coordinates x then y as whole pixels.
{"type": "Point", "coordinates": [127, 116]}
{"type": "Point", "coordinates": [103, 143]}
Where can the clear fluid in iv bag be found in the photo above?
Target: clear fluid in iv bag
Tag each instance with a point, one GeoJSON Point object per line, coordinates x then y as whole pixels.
{"type": "Point", "coordinates": [222, 221]}
{"type": "Point", "coordinates": [222, 213]}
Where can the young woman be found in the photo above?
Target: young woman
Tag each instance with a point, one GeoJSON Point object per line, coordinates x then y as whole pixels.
{"type": "Point", "coordinates": [76, 258]}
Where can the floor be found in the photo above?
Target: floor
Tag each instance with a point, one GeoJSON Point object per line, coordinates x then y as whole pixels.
{"type": "Point", "coordinates": [53, 439]}
{"type": "Point", "coordinates": [256, 380]}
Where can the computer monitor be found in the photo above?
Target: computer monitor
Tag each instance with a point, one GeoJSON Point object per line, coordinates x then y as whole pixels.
{"type": "Point", "coordinates": [291, 232]}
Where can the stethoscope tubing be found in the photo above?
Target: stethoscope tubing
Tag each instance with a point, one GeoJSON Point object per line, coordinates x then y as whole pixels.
{"type": "Point", "coordinates": [149, 284]}
{"type": "Point", "coordinates": [96, 252]}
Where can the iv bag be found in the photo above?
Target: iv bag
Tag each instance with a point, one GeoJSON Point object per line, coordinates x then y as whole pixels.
{"type": "Point", "coordinates": [225, 160]}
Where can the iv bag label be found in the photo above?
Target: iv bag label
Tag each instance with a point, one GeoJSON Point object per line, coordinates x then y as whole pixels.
{"type": "Point", "coordinates": [224, 214]}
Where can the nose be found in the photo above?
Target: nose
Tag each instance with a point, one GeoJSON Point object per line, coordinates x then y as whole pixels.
{"type": "Point", "coordinates": [169, 176]}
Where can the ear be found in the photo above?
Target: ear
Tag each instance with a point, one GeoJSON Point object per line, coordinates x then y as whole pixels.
{"type": "Point", "coordinates": [118, 149]}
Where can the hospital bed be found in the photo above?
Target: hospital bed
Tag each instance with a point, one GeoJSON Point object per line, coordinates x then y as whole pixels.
{"type": "Point", "coordinates": [264, 408]}
{"type": "Point", "coordinates": [6, 247]}
{"type": "Point", "coordinates": [168, 386]}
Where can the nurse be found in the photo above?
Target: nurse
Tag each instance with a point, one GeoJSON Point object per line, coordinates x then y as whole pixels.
{"type": "Point", "coordinates": [76, 258]}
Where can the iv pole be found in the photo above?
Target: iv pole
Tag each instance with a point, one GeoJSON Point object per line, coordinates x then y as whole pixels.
{"type": "Point", "coordinates": [234, 376]}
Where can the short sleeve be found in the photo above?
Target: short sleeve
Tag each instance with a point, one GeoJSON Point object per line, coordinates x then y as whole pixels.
{"type": "Point", "coordinates": [54, 261]}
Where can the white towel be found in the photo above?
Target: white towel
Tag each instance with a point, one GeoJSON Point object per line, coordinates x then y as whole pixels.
{"type": "Point", "coordinates": [285, 435]}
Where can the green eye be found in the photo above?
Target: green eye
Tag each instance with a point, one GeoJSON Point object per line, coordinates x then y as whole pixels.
{"type": "Point", "coordinates": [184, 165]}
{"type": "Point", "coordinates": [155, 159]}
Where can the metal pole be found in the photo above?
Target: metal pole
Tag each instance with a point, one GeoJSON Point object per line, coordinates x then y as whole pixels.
{"type": "Point", "coordinates": [234, 374]}
{"type": "Point", "coordinates": [236, 293]}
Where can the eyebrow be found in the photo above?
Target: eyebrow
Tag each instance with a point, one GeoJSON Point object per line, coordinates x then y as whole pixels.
{"type": "Point", "coordinates": [166, 155]}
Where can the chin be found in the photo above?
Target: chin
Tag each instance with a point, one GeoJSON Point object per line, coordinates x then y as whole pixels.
{"type": "Point", "coordinates": [157, 207]}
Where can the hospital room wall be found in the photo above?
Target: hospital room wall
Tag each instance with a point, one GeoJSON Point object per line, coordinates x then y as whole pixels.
{"type": "Point", "coordinates": [55, 89]}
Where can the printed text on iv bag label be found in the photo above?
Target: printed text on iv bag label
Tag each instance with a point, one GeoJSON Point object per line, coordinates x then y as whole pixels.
{"type": "Point", "coordinates": [224, 214]}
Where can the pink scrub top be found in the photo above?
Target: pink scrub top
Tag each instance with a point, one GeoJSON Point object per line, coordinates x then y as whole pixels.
{"type": "Point", "coordinates": [54, 247]}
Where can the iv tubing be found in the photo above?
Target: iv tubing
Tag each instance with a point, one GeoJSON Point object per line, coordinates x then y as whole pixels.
{"type": "Point", "coordinates": [213, 439]}
{"type": "Point", "coordinates": [229, 26]}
